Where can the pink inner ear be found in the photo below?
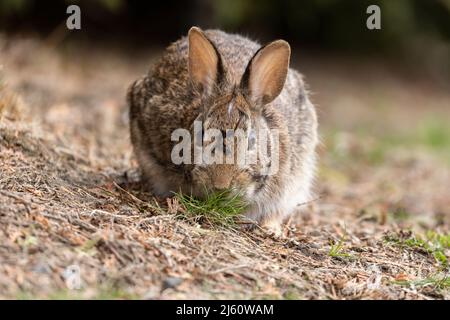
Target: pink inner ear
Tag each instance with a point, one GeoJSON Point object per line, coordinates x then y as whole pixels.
{"type": "Point", "coordinates": [268, 71]}
{"type": "Point", "coordinates": [203, 59]}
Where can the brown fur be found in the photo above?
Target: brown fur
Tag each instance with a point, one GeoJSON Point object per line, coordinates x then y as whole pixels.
{"type": "Point", "coordinates": [188, 84]}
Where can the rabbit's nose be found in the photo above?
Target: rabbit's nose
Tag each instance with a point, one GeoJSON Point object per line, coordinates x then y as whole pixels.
{"type": "Point", "coordinates": [221, 186]}
{"type": "Point", "coordinates": [221, 183]}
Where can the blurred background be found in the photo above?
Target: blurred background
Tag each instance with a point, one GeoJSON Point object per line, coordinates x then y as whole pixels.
{"type": "Point", "coordinates": [416, 30]}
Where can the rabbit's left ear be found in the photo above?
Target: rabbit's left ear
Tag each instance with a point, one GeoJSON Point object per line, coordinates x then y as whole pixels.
{"type": "Point", "coordinates": [205, 65]}
{"type": "Point", "coordinates": [266, 72]}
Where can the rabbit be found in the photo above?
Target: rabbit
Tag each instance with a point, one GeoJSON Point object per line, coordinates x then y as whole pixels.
{"type": "Point", "coordinates": [227, 81]}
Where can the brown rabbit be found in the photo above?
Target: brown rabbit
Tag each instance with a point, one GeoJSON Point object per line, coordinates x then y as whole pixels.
{"type": "Point", "coordinates": [226, 81]}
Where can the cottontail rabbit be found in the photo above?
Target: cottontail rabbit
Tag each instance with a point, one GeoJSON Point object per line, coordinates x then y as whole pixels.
{"type": "Point", "coordinates": [225, 81]}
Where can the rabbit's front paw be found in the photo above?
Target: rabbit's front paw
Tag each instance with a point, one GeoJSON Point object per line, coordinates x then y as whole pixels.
{"type": "Point", "coordinates": [273, 226]}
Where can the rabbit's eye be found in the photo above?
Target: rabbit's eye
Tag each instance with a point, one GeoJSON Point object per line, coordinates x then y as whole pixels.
{"type": "Point", "coordinates": [251, 139]}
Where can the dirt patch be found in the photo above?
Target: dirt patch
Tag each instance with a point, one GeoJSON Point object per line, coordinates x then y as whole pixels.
{"type": "Point", "coordinates": [70, 197]}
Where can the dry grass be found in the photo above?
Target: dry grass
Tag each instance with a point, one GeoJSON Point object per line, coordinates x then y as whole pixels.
{"type": "Point", "coordinates": [70, 195]}
{"type": "Point", "coordinates": [219, 209]}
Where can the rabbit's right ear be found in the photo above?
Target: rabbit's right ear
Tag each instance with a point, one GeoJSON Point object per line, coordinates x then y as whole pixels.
{"type": "Point", "coordinates": [205, 64]}
{"type": "Point", "coordinates": [266, 72]}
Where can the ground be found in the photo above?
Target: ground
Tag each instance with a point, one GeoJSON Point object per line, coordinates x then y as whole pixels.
{"type": "Point", "coordinates": [71, 198]}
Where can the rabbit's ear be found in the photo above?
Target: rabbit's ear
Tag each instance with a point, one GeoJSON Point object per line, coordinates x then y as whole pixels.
{"type": "Point", "coordinates": [266, 72]}
{"type": "Point", "coordinates": [204, 61]}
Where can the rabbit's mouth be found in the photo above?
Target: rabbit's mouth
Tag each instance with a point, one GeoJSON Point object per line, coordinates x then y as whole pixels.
{"type": "Point", "coordinates": [220, 178]}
